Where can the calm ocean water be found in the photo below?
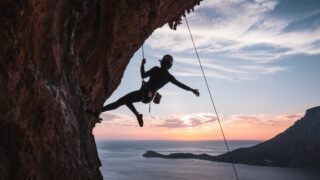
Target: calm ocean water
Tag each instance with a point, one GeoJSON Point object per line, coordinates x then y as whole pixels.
{"type": "Point", "coordinates": [122, 160]}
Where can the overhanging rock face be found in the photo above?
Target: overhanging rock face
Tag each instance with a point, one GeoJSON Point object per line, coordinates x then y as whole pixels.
{"type": "Point", "coordinates": [59, 58]}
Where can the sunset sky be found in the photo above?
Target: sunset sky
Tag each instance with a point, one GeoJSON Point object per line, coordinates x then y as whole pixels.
{"type": "Point", "coordinates": [262, 60]}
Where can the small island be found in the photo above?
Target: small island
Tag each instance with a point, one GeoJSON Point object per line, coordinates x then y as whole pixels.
{"type": "Point", "coordinates": [153, 154]}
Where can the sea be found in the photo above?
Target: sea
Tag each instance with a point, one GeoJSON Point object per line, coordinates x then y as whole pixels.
{"type": "Point", "coordinates": [123, 160]}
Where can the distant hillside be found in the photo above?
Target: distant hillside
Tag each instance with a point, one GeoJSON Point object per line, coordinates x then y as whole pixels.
{"type": "Point", "coordinates": [299, 145]}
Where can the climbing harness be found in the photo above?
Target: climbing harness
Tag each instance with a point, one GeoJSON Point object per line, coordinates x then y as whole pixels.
{"type": "Point", "coordinates": [149, 95]}
{"type": "Point", "coordinates": [214, 107]}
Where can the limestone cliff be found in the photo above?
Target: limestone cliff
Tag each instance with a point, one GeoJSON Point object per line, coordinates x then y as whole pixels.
{"type": "Point", "coordinates": [59, 58]}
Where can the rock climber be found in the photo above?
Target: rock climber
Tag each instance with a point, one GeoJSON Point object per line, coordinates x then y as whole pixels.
{"type": "Point", "coordinates": [158, 77]}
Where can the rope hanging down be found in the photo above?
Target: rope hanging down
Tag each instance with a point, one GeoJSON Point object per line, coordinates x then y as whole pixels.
{"type": "Point", "coordinates": [142, 53]}
{"type": "Point", "coordinates": [214, 107]}
{"type": "Point", "coordinates": [142, 48]}
{"type": "Point", "coordinates": [142, 32]}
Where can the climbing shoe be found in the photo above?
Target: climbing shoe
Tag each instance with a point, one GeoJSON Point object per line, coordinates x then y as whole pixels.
{"type": "Point", "coordinates": [140, 120]}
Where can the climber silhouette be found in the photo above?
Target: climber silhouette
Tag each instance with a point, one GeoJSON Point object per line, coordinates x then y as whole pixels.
{"type": "Point", "coordinates": [159, 76]}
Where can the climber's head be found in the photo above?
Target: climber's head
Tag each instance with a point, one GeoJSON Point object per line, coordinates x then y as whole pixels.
{"type": "Point", "coordinates": [166, 61]}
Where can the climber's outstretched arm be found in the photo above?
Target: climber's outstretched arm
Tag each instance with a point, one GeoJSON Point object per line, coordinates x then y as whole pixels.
{"type": "Point", "coordinates": [183, 86]}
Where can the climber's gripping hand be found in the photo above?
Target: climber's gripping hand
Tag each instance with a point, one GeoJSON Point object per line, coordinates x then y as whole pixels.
{"type": "Point", "coordinates": [143, 62]}
{"type": "Point", "coordinates": [195, 92]}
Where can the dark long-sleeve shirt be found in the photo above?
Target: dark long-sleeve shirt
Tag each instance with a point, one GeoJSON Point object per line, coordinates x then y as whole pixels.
{"type": "Point", "coordinates": [160, 77]}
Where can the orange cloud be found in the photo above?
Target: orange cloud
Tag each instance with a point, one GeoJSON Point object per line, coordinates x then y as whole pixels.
{"type": "Point", "coordinates": [186, 121]}
{"type": "Point", "coordinates": [258, 127]}
{"type": "Point", "coordinates": [263, 120]}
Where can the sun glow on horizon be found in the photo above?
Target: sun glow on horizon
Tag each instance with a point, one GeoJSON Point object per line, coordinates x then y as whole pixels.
{"type": "Point", "coordinates": [191, 127]}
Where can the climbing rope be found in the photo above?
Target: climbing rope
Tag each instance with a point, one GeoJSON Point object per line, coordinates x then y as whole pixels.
{"type": "Point", "coordinates": [142, 49]}
{"type": "Point", "coordinates": [142, 32]}
{"type": "Point", "coordinates": [142, 53]}
{"type": "Point", "coordinates": [214, 107]}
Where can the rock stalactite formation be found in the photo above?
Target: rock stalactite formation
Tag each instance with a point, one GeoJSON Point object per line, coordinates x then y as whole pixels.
{"type": "Point", "coordinates": [59, 58]}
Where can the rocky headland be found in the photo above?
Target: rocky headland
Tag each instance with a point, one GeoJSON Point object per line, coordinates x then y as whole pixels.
{"type": "Point", "coordinates": [298, 146]}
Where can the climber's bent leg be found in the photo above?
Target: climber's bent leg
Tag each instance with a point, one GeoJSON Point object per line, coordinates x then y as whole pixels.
{"type": "Point", "coordinates": [138, 115]}
{"type": "Point", "coordinates": [132, 108]}
{"type": "Point", "coordinates": [134, 96]}
{"type": "Point", "coordinates": [127, 100]}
